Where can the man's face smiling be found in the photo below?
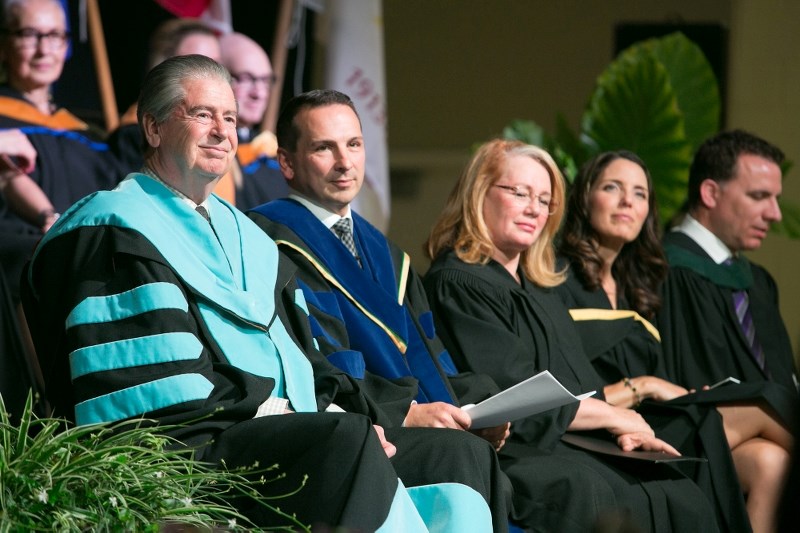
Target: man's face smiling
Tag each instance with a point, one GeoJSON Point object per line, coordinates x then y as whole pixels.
{"type": "Point", "coordinates": [327, 165]}
{"type": "Point", "coordinates": [197, 143]}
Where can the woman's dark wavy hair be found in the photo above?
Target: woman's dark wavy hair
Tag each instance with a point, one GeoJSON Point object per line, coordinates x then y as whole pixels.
{"type": "Point", "coordinates": [641, 265]}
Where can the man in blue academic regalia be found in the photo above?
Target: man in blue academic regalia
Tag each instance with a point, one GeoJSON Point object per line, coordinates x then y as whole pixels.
{"type": "Point", "coordinates": [369, 313]}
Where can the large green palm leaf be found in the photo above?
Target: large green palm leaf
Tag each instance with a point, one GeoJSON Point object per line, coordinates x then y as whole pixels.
{"type": "Point", "coordinates": [694, 83]}
{"type": "Point", "coordinates": [635, 107]}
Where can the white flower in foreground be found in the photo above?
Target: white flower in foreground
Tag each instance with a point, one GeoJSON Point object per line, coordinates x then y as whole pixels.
{"type": "Point", "coordinates": [113, 501]}
{"type": "Point", "coordinates": [42, 495]}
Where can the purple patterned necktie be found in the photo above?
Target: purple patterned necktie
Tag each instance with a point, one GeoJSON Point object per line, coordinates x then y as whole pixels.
{"type": "Point", "coordinates": [741, 304]}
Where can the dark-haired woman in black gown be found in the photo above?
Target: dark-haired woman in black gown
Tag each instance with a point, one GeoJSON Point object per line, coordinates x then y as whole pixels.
{"type": "Point", "coordinates": [616, 264]}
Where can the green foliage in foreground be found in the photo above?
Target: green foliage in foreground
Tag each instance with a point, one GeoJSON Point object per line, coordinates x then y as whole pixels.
{"type": "Point", "coordinates": [120, 477]}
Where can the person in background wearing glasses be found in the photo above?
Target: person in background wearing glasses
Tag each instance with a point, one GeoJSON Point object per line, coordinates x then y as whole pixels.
{"type": "Point", "coordinates": [257, 176]}
{"type": "Point", "coordinates": [58, 161]}
{"type": "Point", "coordinates": [491, 291]}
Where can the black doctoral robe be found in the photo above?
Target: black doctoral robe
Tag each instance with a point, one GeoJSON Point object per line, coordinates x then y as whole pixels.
{"type": "Point", "coordinates": [702, 340]}
{"type": "Point", "coordinates": [624, 346]}
{"type": "Point", "coordinates": [127, 142]}
{"type": "Point", "coordinates": [491, 324]}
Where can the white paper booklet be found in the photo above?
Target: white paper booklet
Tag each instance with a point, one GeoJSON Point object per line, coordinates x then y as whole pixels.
{"type": "Point", "coordinates": [534, 395]}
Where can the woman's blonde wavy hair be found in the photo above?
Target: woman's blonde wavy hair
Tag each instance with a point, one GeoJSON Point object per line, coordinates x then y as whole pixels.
{"type": "Point", "coordinates": [461, 225]}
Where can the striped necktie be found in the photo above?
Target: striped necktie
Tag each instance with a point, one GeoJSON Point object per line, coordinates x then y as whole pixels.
{"type": "Point", "coordinates": [741, 305]}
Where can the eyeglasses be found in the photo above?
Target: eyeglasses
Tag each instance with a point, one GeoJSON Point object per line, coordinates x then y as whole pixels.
{"type": "Point", "coordinates": [29, 38]}
{"type": "Point", "coordinates": [267, 80]}
{"type": "Point", "coordinates": [522, 197]}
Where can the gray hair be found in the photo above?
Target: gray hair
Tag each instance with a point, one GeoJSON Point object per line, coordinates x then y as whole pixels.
{"type": "Point", "coordinates": [9, 14]}
{"type": "Point", "coordinates": [10, 11]}
{"type": "Point", "coordinates": [163, 88]}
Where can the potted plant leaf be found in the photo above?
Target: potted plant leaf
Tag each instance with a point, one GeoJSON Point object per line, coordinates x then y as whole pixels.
{"type": "Point", "coordinates": [126, 476]}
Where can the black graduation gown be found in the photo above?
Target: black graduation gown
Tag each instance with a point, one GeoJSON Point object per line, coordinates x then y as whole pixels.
{"type": "Point", "coordinates": [702, 340]}
{"type": "Point", "coordinates": [70, 164]}
{"type": "Point", "coordinates": [262, 181]}
{"type": "Point", "coordinates": [491, 324]}
{"type": "Point", "coordinates": [624, 347]}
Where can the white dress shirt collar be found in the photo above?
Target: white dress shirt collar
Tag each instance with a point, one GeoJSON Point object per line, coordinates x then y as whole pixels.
{"type": "Point", "coordinates": [185, 199]}
{"type": "Point", "coordinates": [703, 236]}
{"type": "Point", "coordinates": [328, 218]}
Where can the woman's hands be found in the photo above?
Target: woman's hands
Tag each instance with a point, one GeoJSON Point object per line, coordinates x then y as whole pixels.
{"type": "Point", "coordinates": [645, 442]}
{"type": "Point", "coordinates": [629, 393]}
{"type": "Point", "coordinates": [657, 389]}
{"type": "Point", "coordinates": [631, 430]}
{"type": "Point", "coordinates": [16, 144]}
